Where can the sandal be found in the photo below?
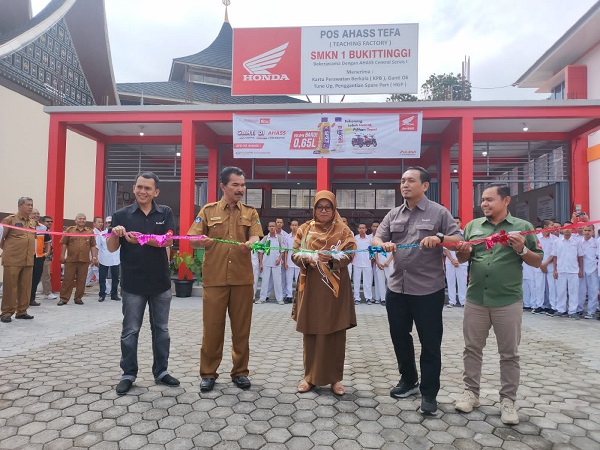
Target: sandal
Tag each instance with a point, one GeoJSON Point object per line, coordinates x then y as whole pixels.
{"type": "Point", "coordinates": [304, 386]}
{"type": "Point", "coordinates": [338, 388]}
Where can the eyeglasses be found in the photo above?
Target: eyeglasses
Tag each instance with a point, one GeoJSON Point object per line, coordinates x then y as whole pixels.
{"type": "Point", "coordinates": [323, 208]}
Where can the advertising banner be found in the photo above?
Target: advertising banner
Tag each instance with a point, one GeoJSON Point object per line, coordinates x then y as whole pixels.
{"type": "Point", "coordinates": [365, 59]}
{"type": "Point", "coordinates": [327, 135]}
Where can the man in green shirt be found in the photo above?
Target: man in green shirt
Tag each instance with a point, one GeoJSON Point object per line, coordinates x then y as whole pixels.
{"type": "Point", "coordinates": [495, 297]}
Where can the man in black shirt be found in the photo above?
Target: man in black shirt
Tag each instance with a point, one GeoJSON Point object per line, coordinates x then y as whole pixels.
{"type": "Point", "coordinates": [145, 279]}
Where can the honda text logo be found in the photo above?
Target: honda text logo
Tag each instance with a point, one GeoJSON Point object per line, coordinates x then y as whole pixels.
{"type": "Point", "coordinates": [258, 66]}
{"type": "Point", "coordinates": [408, 122]}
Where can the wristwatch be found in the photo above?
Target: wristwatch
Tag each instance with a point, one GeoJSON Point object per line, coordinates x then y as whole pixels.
{"type": "Point", "coordinates": [524, 252]}
{"type": "Point", "coordinates": [440, 236]}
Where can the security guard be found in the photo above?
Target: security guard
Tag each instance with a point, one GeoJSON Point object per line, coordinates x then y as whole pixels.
{"type": "Point", "coordinates": [75, 255]}
{"type": "Point", "coordinates": [227, 277]}
{"type": "Point", "coordinates": [17, 259]}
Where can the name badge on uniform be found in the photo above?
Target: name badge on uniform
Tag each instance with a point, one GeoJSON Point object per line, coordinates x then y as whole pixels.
{"type": "Point", "coordinates": [18, 224]}
{"type": "Point", "coordinates": [216, 218]}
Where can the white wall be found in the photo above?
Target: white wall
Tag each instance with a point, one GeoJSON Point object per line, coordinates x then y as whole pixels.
{"type": "Point", "coordinates": [592, 61]}
{"type": "Point", "coordinates": [594, 171]}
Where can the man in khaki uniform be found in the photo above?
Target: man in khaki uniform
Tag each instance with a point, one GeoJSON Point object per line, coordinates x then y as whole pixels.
{"type": "Point", "coordinates": [75, 255]}
{"type": "Point", "coordinates": [227, 277]}
{"type": "Point", "coordinates": [17, 259]}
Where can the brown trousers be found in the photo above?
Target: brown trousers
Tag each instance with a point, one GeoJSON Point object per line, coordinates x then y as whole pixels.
{"type": "Point", "coordinates": [324, 356]}
{"type": "Point", "coordinates": [506, 321]}
{"type": "Point", "coordinates": [76, 270]}
{"type": "Point", "coordinates": [46, 281]}
{"type": "Point", "coordinates": [217, 301]}
{"type": "Point", "coordinates": [16, 290]}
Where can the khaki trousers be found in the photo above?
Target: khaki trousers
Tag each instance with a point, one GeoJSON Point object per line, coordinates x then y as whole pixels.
{"type": "Point", "coordinates": [76, 270]}
{"type": "Point", "coordinates": [217, 301]}
{"type": "Point", "coordinates": [506, 321]}
{"type": "Point", "coordinates": [46, 281]}
{"type": "Point", "coordinates": [16, 290]}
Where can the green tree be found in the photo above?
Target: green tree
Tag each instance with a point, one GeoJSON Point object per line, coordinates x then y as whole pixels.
{"type": "Point", "coordinates": [402, 98]}
{"type": "Point", "coordinates": [446, 87]}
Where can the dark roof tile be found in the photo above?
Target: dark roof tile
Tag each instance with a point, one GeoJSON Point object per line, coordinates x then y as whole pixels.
{"type": "Point", "coordinates": [217, 54]}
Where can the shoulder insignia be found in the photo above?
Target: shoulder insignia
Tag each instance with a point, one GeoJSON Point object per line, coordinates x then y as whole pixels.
{"type": "Point", "coordinates": [198, 219]}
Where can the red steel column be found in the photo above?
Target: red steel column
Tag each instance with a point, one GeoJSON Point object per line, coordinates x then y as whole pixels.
{"type": "Point", "coordinates": [323, 174]}
{"type": "Point", "coordinates": [188, 181]}
{"type": "Point", "coordinates": [444, 175]}
{"type": "Point", "coordinates": [465, 169]}
{"type": "Point", "coordinates": [100, 179]}
{"type": "Point", "coordinates": [213, 173]}
{"type": "Point", "coordinates": [55, 188]}
{"type": "Point", "coordinates": [580, 175]}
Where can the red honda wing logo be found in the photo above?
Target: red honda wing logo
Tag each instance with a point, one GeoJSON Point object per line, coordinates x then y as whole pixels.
{"type": "Point", "coordinates": [266, 61]}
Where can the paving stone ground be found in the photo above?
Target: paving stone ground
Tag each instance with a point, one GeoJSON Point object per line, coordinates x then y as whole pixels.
{"type": "Point", "coordinates": [58, 373]}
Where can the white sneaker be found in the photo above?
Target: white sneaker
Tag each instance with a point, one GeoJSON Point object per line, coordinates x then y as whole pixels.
{"type": "Point", "coordinates": [260, 301]}
{"type": "Point", "coordinates": [508, 412]}
{"type": "Point", "coordinates": [449, 305]}
{"type": "Point", "coordinates": [467, 402]}
{"type": "Point", "coordinates": [280, 302]}
{"type": "Point", "coordinates": [51, 296]}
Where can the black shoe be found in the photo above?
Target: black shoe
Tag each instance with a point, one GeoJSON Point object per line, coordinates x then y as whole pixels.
{"type": "Point", "coordinates": [428, 406]}
{"type": "Point", "coordinates": [101, 298]}
{"type": "Point", "coordinates": [24, 316]}
{"type": "Point", "coordinates": [124, 386]}
{"type": "Point", "coordinates": [550, 312]}
{"type": "Point", "coordinates": [79, 302]}
{"type": "Point", "coordinates": [7, 319]}
{"type": "Point", "coordinates": [242, 382]}
{"type": "Point", "coordinates": [404, 389]}
{"type": "Point", "coordinates": [207, 384]}
{"type": "Point", "coordinates": [34, 303]}
{"type": "Point", "coordinates": [60, 304]}
{"type": "Point", "coordinates": [538, 310]}
{"type": "Point", "coordinates": [115, 297]}
{"type": "Point", "coordinates": [168, 380]}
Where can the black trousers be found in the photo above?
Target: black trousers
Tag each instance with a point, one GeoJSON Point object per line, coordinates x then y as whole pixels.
{"type": "Point", "coordinates": [38, 269]}
{"type": "Point", "coordinates": [114, 274]}
{"type": "Point", "coordinates": [426, 313]}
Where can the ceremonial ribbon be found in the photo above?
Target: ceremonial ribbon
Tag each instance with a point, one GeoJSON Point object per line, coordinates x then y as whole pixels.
{"type": "Point", "coordinates": [497, 238]}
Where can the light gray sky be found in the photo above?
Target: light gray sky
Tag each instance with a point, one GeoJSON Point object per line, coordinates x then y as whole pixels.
{"type": "Point", "coordinates": [503, 38]}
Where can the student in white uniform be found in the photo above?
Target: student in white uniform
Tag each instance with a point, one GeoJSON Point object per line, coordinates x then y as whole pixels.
{"type": "Point", "coordinates": [349, 265]}
{"type": "Point", "coordinates": [284, 235]}
{"type": "Point", "coordinates": [382, 269]}
{"type": "Point", "coordinates": [456, 274]}
{"type": "Point", "coordinates": [292, 271]}
{"type": "Point", "coordinates": [588, 285]}
{"type": "Point", "coordinates": [255, 270]}
{"type": "Point", "coordinates": [568, 268]}
{"type": "Point", "coordinates": [270, 266]}
{"type": "Point", "coordinates": [547, 241]}
{"type": "Point", "coordinates": [362, 265]}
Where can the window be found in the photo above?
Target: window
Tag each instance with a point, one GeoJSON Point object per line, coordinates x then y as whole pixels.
{"type": "Point", "coordinates": [345, 198]}
{"type": "Point", "coordinates": [280, 198]}
{"type": "Point", "coordinates": [366, 198]}
{"type": "Point", "coordinates": [385, 198]}
{"type": "Point", "coordinates": [558, 93]}
{"type": "Point", "coordinates": [292, 198]}
{"type": "Point", "coordinates": [253, 198]}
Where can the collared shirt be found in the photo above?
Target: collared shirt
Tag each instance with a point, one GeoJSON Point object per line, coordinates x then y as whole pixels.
{"type": "Point", "coordinates": [361, 259]}
{"type": "Point", "coordinates": [144, 268]}
{"type": "Point", "coordinates": [496, 275]}
{"type": "Point", "coordinates": [270, 259]}
{"type": "Point", "coordinates": [226, 264]}
{"type": "Point", "coordinates": [417, 272]}
{"type": "Point", "coordinates": [567, 251]}
{"type": "Point", "coordinates": [590, 250]}
{"type": "Point", "coordinates": [78, 248]}
{"type": "Point", "coordinates": [289, 253]}
{"type": "Point", "coordinates": [105, 257]}
{"type": "Point", "coordinates": [19, 246]}
{"type": "Point", "coordinates": [547, 245]}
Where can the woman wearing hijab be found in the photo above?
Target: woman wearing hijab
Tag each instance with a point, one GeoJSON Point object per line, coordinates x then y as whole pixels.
{"type": "Point", "coordinates": [324, 308]}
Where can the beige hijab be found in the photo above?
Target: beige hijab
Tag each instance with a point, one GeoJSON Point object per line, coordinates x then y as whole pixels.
{"type": "Point", "coordinates": [331, 235]}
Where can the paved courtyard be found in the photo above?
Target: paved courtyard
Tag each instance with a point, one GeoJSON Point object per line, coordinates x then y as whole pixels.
{"type": "Point", "coordinates": [58, 373]}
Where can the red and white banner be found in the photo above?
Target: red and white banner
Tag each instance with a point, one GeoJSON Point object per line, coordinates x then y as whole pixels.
{"type": "Point", "coordinates": [365, 59]}
{"type": "Point", "coordinates": [327, 135]}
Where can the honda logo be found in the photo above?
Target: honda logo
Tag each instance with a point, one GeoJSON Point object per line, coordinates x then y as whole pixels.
{"type": "Point", "coordinates": [258, 66]}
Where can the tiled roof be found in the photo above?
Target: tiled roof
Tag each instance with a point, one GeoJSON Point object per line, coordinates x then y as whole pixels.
{"type": "Point", "coordinates": [50, 9]}
{"type": "Point", "coordinates": [197, 93]}
{"type": "Point", "coordinates": [217, 54]}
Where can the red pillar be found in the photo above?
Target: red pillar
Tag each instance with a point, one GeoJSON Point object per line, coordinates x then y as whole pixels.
{"type": "Point", "coordinates": [55, 188]}
{"type": "Point", "coordinates": [213, 173]}
{"type": "Point", "coordinates": [444, 175]}
{"type": "Point", "coordinates": [323, 174]}
{"type": "Point", "coordinates": [188, 182]}
{"type": "Point", "coordinates": [465, 169]}
{"type": "Point", "coordinates": [100, 177]}
{"type": "Point", "coordinates": [580, 175]}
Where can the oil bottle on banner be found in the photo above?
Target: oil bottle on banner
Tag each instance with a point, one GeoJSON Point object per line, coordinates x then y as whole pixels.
{"type": "Point", "coordinates": [324, 136]}
{"type": "Point", "coordinates": [337, 131]}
